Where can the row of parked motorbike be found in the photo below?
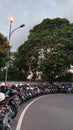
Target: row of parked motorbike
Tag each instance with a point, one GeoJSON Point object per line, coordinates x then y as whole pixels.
{"type": "Point", "coordinates": [13, 96]}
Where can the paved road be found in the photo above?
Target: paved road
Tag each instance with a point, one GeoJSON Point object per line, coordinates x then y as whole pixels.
{"type": "Point", "coordinates": [52, 112]}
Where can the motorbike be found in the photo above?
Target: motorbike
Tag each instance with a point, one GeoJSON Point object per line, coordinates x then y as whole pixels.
{"type": "Point", "coordinates": [5, 116]}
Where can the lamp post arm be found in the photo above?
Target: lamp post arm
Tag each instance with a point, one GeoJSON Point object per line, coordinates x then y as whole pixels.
{"type": "Point", "coordinates": [11, 32]}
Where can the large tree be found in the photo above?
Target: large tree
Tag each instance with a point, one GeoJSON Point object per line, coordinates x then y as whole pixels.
{"type": "Point", "coordinates": [49, 48]}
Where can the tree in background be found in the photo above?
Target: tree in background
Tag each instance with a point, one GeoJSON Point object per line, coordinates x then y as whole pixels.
{"type": "Point", "coordinates": [49, 49]}
{"type": "Point", "coordinates": [3, 50]}
{"type": "Point", "coordinates": [4, 45]}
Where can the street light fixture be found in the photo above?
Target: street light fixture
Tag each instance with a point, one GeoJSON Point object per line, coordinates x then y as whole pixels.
{"type": "Point", "coordinates": [11, 20]}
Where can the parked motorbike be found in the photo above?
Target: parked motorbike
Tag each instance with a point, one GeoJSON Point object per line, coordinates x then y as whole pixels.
{"type": "Point", "coordinates": [5, 115]}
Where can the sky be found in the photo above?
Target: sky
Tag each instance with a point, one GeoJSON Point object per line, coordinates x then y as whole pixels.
{"type": "Point", "coordinates": [30, 13]}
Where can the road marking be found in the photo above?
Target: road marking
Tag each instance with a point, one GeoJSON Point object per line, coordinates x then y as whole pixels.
{"type": "Point", "coordinates": [18, 127]}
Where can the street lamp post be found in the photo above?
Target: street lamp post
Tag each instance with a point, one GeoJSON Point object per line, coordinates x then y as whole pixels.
{"type": "Point", "coordinates": [10, 33]}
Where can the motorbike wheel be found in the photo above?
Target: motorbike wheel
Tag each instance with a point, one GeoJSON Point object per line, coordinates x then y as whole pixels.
{"type": "Point", "coordinates": [21, 99]}
{"type": "Point", "coordinates": [14, 110]}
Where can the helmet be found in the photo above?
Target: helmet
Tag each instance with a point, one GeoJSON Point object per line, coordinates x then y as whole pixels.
{"type": "Point", "coordinates": [16, 85]}
{"type": "Point", "coordinates": [6, 85]}
{"type": "Point", "coordinates": [3, 84]}
{"type": "Point", "coordinates": [2, 96]}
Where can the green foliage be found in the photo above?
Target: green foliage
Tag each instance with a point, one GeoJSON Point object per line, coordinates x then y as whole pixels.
{"type": "Point", "coordinates": [54, 66]}
{"type": "Point", "coordinates": [4, 45]}
{"type": "Point", "coordinates": [67, 77]}
{"type": "Point", "coordinates": [49, 48]}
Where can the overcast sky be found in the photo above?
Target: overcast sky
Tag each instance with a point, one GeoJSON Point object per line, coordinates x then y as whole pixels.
{"type": "Point", "coordinates": [30, 13]}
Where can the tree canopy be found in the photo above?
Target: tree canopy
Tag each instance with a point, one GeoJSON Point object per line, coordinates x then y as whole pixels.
{"type": "Point", "coordinates": [4, 45]}
{"type": "Point", "coordinates": [49, 49]}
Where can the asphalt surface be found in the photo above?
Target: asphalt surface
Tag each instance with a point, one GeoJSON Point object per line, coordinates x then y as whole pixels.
{"type": "Point", "coordinates": [52, 112]}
